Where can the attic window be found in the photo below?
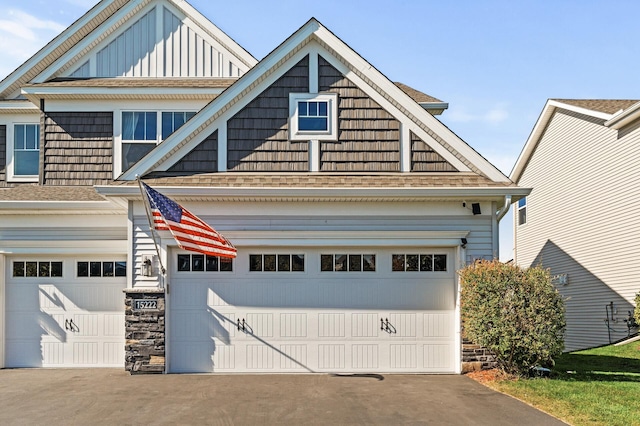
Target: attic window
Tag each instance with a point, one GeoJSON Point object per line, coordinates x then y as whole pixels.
{"type": "Point", "coordinates": [313, 116]}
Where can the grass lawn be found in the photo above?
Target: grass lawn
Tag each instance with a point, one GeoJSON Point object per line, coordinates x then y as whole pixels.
{"type": "Point", "coordinates": [592, 387]}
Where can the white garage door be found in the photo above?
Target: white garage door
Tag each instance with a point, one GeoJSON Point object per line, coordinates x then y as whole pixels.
{"type": "Point", "coordinates": [65, 312]}
{"type": "Point", "coordinates": [313, 310]}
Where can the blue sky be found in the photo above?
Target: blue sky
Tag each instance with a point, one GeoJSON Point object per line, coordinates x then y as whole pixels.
{"type": "Point", "coordinates": [495, 62]}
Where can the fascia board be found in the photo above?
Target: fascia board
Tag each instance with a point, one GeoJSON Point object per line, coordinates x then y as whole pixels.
{"type": "Point", "coordinates": [624, 117]}
{"type": "Point", "coordinates": [86, 41]}
{"type": "Point", "coordinates": [216, 33]}
{"type": "Point", "coordinates": [538, 129]}
{"type": "Point", "coordinates": [197, 123]}
{"type": "Point", "coordinates": [57, 207]}
{"type": "Point", "coordinates": [412, 108]}
{"type": "Point", "coordinates": [18, 107]}
{"type": "Point", "coordinates": [54, 44]}
{"type": "Point", "coordinates": [138, 92]}
{"type": "Point", "coordinates": [337, 193]}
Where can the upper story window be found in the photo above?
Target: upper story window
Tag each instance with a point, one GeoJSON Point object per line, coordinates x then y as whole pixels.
{"type": "Point", "coordinates": [143, 130]}
{"type": "Point", "coordinates": [313, 116]}
{"type": "Point", "coordinates": [522, 211]}
{"type": "Point", "coordinates": [26, 150]}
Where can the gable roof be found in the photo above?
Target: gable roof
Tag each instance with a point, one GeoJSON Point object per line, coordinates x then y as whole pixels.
{"type": "Point", "coordinates": [607, 110]}
{"type": "Point", "coordinates": [379, 87]}
{"type": "Point", "coordinates": [103, 19]}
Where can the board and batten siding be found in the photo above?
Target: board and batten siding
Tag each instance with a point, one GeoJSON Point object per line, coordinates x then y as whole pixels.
{"type": "Point", "coordinates": [183, 51]}
{"type": "Point", "coordinates": [582, 220]}
{"type": "Point", "coordinates": [258, 136]}
{"type": "Point", "coordinates": [77, 148]}
{"type": "Point", "coordinates": [368, 136]}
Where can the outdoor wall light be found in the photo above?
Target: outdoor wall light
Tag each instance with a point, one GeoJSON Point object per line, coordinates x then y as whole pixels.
{"type": "Point", "coordinates": [464, 242]}
{"type": "Point", "coordinates": [146, 267]}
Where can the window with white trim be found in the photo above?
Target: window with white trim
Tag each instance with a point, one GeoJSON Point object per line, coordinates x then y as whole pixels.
{"type": "Point", "coordinates": [313, 116]}
{"type": "Point", "coordinates": [37, 269]}
{"type": "Point", "coordinates": [143, 130]}
{"type": "Point", "coordinates": [522, 211]}
{"type": "Point", "coordinates": [26, 150]}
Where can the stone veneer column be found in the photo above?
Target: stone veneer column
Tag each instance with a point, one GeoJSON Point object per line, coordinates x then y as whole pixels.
{"type": "Point", "coordinates": [144, 331]}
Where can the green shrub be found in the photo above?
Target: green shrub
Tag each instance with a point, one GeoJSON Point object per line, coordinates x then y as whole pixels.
{"type": "Point", "coordinates": [516, 313]}
{"type": "Point", "coordinates": [637, 310]}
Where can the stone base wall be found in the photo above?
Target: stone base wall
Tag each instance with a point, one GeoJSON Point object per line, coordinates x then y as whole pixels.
{"type": "Point", "coordinates": [475, 358]}
{"type": "Point", "coordinates": [144, 331]}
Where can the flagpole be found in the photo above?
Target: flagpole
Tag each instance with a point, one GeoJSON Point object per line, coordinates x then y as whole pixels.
{"type": "Point", "coordinates": [147, 208]}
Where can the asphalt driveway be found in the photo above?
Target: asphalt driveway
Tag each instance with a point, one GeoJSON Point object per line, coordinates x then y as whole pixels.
{"type": "Point", "coordinates": [106, 396]}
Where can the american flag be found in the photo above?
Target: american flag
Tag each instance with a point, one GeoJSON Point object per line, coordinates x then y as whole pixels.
{"type": "Point", "coordinates": [190, 232]}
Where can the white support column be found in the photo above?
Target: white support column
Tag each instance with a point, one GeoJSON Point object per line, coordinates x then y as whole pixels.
{"type": "Point", "coordinates": [405, 148]}
{"type": "Point", "coordinates": [3, 302]}
{"type": "Point", "coordinates": [222, 147]}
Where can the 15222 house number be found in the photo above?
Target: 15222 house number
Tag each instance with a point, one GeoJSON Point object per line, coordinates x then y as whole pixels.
{"type": "Point", "coordinates": [144, 304]}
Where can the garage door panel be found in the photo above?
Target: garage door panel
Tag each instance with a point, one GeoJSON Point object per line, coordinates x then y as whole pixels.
{"type": "Point", "coordinates": [314, 321]}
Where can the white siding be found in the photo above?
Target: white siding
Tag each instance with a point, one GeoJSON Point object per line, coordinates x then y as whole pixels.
{"type": "Point", "coordinates": [582, 220]}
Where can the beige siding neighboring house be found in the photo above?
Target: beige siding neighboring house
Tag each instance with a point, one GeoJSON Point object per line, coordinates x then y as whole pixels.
{"type": "Point", "coordinates": [581, 218]}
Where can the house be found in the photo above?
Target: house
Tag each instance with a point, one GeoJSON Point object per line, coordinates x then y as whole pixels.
{"type": "Point", "coordinates": [350, 204]}
{"type": "Point", "coordinates": [581, 161]}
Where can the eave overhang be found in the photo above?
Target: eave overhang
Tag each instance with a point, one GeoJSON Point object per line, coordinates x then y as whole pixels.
{"type": "Point", "coordinates": [12, 207]}
{"type": "Point", "coordinates": [18, 107]}
{"type": "Point", "coordinates": [35, 93]}
{"type": "Point", "coordinates": [624, 117]}
{"type": "Point", "coordinates": [314, 194]}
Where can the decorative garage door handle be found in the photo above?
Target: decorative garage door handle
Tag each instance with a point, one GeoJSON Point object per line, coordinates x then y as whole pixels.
{"type": "Point", "coordinates": [385, 325]}
{"type": "Point", "coordinates": [71, 326]}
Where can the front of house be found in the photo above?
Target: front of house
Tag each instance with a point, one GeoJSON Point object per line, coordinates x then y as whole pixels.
{"type": "Point", "coordinates": [351, 206]}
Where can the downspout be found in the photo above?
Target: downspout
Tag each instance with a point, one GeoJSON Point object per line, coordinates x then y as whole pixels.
{"type": "Point", "coordinates": [503, 211]}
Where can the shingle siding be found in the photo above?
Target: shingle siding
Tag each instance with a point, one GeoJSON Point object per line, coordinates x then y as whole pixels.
{"type": "Point", "coordinates": [77, 148]}
{"type": "Point", "coordinates": [257, 137]}
{"type": "Point", "coordinates": [368, 137]}
{"type": "Point", "coordinates": [425, 159]}
{"type": "Point", "coordinates": [3, 155]}
{"type": "Point", "coordinates": [202, 159]}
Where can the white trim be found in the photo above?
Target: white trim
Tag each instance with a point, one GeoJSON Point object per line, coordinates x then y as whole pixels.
{"type": "Point", "coordinates": [314, 155]}
{"type": "Point", "coordinates": [222, 148]}
{"type": "Point", "coordinates": [405, 148]}
{"type": "Point", "coordinates": [346, 238]}
{"type": "Point", "coordinates": [10, 135]}
{"type": "Point", "coordinates": [313, 72]}
{"type": "Point", "coordinates": [541, 124]}
{"type": "Point", "coordinates": [331, 134]}
{"type": "Point", "coordinates": [3, 299]}
{"type": "Point", "coordinates": [35, 247]}
{"type": "Point", "coordinates": [624, 117]}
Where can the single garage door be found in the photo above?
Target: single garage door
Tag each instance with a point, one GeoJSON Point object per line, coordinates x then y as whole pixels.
{"type": "Point", "coordinates": [65, 311]}
{"type": "Point", "coordinates": [313, 310]}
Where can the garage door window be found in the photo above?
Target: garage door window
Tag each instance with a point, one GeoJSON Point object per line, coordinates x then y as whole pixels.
{"type": "Point", "coordinates": [419, 262]}
{"type": "Point", "coordinates": [348, 262]}
{"type": "Point", "coordinates": [276, 262]}
{"type": "Point", "coordinates": [202, 263]}
{"type": "Point", "coordinates": [101, 269]}
{"type": "Point", "coordinates": [37, 269]}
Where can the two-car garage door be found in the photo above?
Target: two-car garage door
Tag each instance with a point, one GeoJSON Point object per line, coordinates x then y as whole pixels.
{"type": "Point", "coordinates": [313, 310]}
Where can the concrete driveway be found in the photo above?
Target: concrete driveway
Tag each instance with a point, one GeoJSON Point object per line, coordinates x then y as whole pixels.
{"type": "Point", "coordinates": [106, 396]}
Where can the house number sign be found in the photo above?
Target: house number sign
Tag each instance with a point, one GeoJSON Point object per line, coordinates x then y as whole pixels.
{"type": "Point", "coordinates": [144, 304]}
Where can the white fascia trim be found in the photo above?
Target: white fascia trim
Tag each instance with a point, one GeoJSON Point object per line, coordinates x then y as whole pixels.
{"type": "Point", "coordinates": [541, 124]}
{"type": "Point", "coordinates": [133, 192]}
{"type": "Point", "coordinates": [412, 108]}
{"type": "Point", "coordinates": [227, 42]}
{"type": "Point", "coordinates": [33, 247]}
{"type": "Point", "coordinates": [204, 119]}
{"type": "Point", "coordinates": [54, 44]}
{"type": "Point", "coordinates": [78, 48]}
{"type": "Point", "coordinates": [59, 207]}
{"type": "Point", "coordinates": [347, 238]}
{"type": "Point", "coordinates": [18, 107]}
{"type": "Point", "coordinates": [138, 92]}
{"type": "Point", "coordinates": [624, 117]}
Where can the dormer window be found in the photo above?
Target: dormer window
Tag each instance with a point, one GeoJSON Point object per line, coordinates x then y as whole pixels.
{"type": "Point", "coordinates": [313, 116]}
